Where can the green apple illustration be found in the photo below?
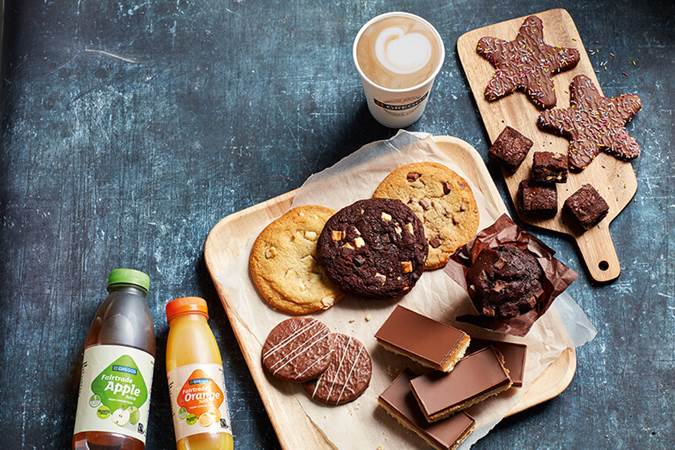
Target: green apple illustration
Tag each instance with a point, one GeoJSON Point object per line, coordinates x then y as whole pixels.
{"type": "Point", "coordinates": [103, 412]}
{"type": "Point", "coordinates": [134, 415]}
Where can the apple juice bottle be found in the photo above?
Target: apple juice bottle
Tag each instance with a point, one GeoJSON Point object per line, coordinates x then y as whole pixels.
{"type": "Point", "coordinates": [117, 367]}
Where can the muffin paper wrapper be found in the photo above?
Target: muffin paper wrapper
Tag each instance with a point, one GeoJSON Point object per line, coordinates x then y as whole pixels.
{"type": "Point", "coordinates": [557, 276]}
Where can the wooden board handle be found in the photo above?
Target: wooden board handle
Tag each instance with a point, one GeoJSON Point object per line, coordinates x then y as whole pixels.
{"type": "Point", "coordinates": [598, 251]}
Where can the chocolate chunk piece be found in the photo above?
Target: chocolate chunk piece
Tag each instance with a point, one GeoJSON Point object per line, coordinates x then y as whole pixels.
{"type": "Point", "coordinates": [424, 340]}
{"type": "Point", "coordinates": [413, 176]}
{"type": "Point", "coordinates": [538, 199]}
{"type": "Point", "coordinates": [347, 375]}
{"type": "Point", "coordinates": [510, 148]}
{"type": "Point", "coordinates": [593, 123]}
{"type": "Point", "coordinates": [399, 402]}
{"type": "Point", "coordinates": [514, 356]}
{"type": "Point", "coordinates": [474, 379]}
{"type": "Point", "coordinates": [586, 207]}
{"type": "Point", "coordinates": [381, 248]}
{"type": "Point", "coordinates": [297, 350]}
{"type": "Point", "coordinates": [549, 167]}
{"type": "Point", "coordinates": [504, 281]}
{"type": "Point", "coordinates": [526, 64]}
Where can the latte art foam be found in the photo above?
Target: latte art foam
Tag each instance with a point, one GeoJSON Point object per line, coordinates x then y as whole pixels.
{"type": "Point", "coordinates": [398, 52]}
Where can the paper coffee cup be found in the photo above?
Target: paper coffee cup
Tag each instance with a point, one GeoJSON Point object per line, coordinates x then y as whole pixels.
{"type": "Point", "coordinates": [398, 108]}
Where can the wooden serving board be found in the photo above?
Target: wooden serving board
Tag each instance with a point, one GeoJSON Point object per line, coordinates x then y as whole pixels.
{"type": "Point", "coordinates": [294, 429]}
{"type": "Point", "coordinates": [614, 179]}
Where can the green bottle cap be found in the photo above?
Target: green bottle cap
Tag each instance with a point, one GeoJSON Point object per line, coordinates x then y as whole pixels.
{"type": "Point", "coordinates": [129, 276]}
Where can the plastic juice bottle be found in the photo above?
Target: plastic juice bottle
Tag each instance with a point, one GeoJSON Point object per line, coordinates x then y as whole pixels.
{"type": "Point", "coordinates": [119, 358]}
{"type": "Point", "coordinates": [194, 369]}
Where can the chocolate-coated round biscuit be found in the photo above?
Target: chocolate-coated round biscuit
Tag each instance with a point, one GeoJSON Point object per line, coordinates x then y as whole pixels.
{"type": "Point", "coordinates": [374, 248]}
{"type": "Point", "coordinates": [297, 349]}
{"type": "Point", "coordinates": [347, 376]}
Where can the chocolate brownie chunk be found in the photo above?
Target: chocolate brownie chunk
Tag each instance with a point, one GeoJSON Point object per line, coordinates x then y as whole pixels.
{"type": "Point", "coordinates": [297, 350]}
{"type": "Point", "coordinates": [593, 123]}
{"type": "Point", "coordinates": [549, 167]}
{"type": "Point", "coordinates": [526, 64]}
{"type": "Point", "coordinates": [348, 373]}
{"type": "Point", "coordinates": [538, 199]}
{"type": "Point", "coordinates": [510, 148]}
{"type": "Point", "coordinates": [586, 207]}
{"type": "Point", "coordinates": [505, 282]}
{"type": "Point", "coordinates": [374, 248]}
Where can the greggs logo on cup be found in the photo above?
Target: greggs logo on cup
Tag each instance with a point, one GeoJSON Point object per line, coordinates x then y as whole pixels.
{"type": "Point", "coordinates": [398, 56]}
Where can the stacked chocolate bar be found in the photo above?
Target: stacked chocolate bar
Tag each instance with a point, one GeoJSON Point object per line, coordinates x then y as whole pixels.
{"type": "Point", "coordinates": [464, 372]}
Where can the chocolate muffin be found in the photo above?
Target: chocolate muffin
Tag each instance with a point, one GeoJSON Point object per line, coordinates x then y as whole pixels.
{"type": "Point", "coordinates": [505, 282]}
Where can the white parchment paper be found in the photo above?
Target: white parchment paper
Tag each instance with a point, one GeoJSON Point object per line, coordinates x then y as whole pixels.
{"type": "Point", "coordinates": [362, 424]}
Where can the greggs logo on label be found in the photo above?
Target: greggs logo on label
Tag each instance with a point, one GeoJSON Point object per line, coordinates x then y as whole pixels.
{"type": "Point", "coordinates": [200, 394]}
{"type": "Point", "coordinates": [402, 106]}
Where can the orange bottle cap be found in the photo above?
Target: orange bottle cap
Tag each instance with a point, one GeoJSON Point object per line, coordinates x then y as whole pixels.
{"type": "Point", "coordinates": [186, 305]}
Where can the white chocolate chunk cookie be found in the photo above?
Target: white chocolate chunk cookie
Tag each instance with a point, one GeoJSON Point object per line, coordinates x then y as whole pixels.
{"type": "Point", "coordinates": [441, 199]}
{"type": "Point", "coordinates": [283, 264]}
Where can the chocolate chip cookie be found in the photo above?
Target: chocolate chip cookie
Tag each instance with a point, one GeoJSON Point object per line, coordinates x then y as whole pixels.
{"type": "Point", "coordinates": [374, 248]}
{"type": "Point", "coordinates": [283, 264]}
{"type": "Point", "coordinates": [441, 199]}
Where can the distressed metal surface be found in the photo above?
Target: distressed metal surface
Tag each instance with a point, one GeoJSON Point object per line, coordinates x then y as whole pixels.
{"type": "Point", "coordinates": [131, 127]}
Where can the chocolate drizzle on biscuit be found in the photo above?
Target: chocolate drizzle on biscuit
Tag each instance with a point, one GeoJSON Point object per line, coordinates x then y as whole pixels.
{"type": "Point", "coordinates": [297, 349]}
{"type": "Point", "coordinates": [347, 375]}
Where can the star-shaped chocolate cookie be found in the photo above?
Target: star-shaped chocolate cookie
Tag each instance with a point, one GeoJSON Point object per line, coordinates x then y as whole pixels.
{"type": "Point", "coordinates": [526, 64]}
{"type": "Point", "coordinates": [593, 123]}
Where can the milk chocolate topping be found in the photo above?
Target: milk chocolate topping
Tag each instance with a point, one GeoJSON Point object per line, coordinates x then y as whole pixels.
{"type": "Point", "coordinates": [514, 356]}
{"type": "Point", "coordinates": [422, 337]}
{"type": "Point", "coordinates": [476, 374]}
{"type": "Point", "coordinates": [400, 402]}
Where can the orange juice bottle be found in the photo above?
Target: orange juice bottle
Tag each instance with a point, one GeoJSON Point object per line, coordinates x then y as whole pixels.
{"type": "Point", "coordinates": [201, 419]}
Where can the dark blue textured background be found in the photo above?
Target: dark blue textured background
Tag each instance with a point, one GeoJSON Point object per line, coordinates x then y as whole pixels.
{"type": "Point", "coordinates": [215, 105]}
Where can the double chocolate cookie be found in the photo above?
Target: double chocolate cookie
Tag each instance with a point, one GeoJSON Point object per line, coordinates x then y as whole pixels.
{"type": "Point", "coordinates": [374, 248]}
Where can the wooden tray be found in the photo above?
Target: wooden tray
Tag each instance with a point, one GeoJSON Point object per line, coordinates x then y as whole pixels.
{"type": "Point", "coordinates": [614, 179]}
{"type": "Point", "coordinates": [294, 429]}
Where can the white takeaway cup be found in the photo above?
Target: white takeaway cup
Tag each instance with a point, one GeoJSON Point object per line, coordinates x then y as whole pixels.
{"type": "Point", "coordinates": [398, 108]}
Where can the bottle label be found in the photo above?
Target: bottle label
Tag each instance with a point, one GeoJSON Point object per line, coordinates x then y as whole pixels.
{"type": "Point", "coordinates": [198, 400]}
{"type": "Point", "coordinates": [115, 391]}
